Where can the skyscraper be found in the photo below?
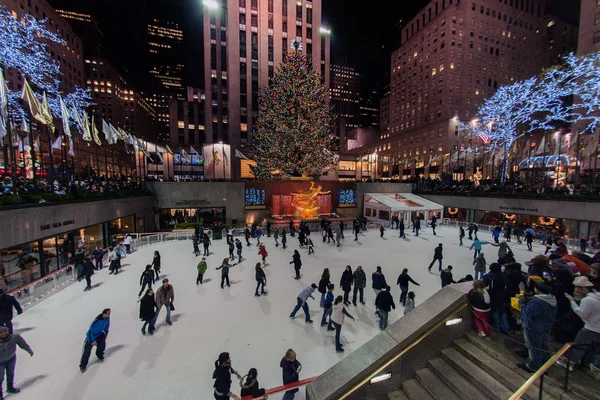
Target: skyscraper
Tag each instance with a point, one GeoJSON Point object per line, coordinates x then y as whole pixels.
{"type": "Point", "coordinates": [345, 94]}
{"type": "Point", "coordinates": [244, 42]}
{"type": "Point", "coordinates": [589, 27]}
{"type": "Point", "coordinates": [165, 41]}
{"type": "Point", "coordinates": [87, 29]}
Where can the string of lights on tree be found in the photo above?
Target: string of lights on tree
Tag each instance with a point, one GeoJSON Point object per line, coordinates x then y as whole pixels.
{"type": "Point", "coordinates": [295, 121]}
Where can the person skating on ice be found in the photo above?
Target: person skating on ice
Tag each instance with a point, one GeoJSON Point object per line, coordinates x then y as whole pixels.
{"type": "Point", "coordinates": [283, 238]}
{"type": "Point", "coordinates": [156, 264]}
{"type": "Point", "coordinates": [461, 235]}
{"type": "Point", "coordinates": [290, 368]}
{"type": "Point", "coordinates": [147, 278]}
{"type": "Point", "coordinates": [378, 283]}
{"type": "Point", "coordinates": [355, 229]}
{"type": "Point", "coordinates": [247, 236]}
{"type": "Point", "coordinates": [165, 296]}
{"type": "Point", "coordinates": [381, 230]}
{"type": "Point", "coordinates": [403, 281]}
{"type": "Point", "coordinates": [113, 261]}
{"type": "Point", "coordinates": [327, 306]}
{"type": "Point", "coordinates": [311, 246]}
{"type": "Point", "coordinates": [225, 272]}
{"type": "Point", "coordinates": [261, 280]}
{"type": "Point", "coordinates": [384, 303]}
{"type": "Point", "coordinates": [202, 267]}
{"type": "Point", "coordinates": [251, 387]}
{"type": "Point", "coordinates": [360, 283]}
{"type": "Point", "coordinates": [477, 244]}
{"type": "Point", "coordinates": [87, 272]}
{"type": "Point", "coordinates": [437, 256]}
{"type": "Point", "coordinates": [196, 243]}
{"type": "Point", "coordinates": [410, 303]}
{"type": "Point", "coordinates": [206, 243]}
{"type": "Point", "coordinates": [7, 303]}
{"type": "Point", "coordinates": [433, 224]}
{"type": "Point", "coordinates": [8, 358]}
{"type": "Point", "coordinates": [148, 311]}
{"type": "Point", "coordinates": [346, 284]}
{"type": "Point", "coordinates": [98, 255]}
{"type": "Point", "coordinates": [262, 251]}
{"type": "Point", "coordinates": [401, 228]}
{"type": "Point", "coordinates": [323, 283]}
{"type": "Point", "coordinates": [222, 377]}
{"type": "Point", "coordinates": [95, 337]}
{"type": "Point", "coordinates": [231, 246]}
{"type": "Point", "coordinates": [258, 233]}
{"type": "Point", "coordinates": [297, 263]}
{"type": "Point", "coordinates": [337, 318]}
{"type": "Point", "coordinates": [276, 236]}
{"type": "Point", "coordinates": [239, 247]}
{"type": "Point", "coordinates": [302, 300]}
{"type": "Point", "coordinates": [338, 237]}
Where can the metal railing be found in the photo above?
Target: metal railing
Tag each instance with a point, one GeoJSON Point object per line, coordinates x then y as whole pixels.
{"type": "Point", "coordinates": [539, 374]}
{"type": "Point", "coordinates": [32, 292]}
{"type": "Point", "coordinates": [144, 239]}
{"type": "Point", "coordinates": [282, 388]}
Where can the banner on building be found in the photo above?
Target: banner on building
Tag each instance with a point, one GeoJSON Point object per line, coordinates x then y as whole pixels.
{"type": "Point", "coordinates": [217, 161]}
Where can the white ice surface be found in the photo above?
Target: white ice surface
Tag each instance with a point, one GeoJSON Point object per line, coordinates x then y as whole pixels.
{"type": "Point", "coordinates": [177, 362]}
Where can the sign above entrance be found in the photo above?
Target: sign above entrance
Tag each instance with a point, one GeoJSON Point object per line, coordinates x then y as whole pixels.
{"type": "Point", "coordinates": [58, 224]}
{"type": "Point", "coordinates": [193, 203]}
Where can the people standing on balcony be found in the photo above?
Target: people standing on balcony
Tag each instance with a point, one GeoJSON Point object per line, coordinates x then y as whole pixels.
{"type": "Point", "coordinates": [337, 318]}
{"type": "Point", "coordinates": [165, 296]}
{"type": "Point", "coordinates": [127, 243]}
{"type": "Point", "coordinates": [461, 235]}
{"type": "Point", "coordinates": [95, 337]}
{"type": "Point", "coordinates": [290, 368]}
{"type": "Point", "coordinates": [147, 278]}
{"type": "Point", "coordinates": [225, 272]}
{"type": "Point", "coordinates": [8, 358]}
{"type": "Point", "coordinates": [479, 300]}
{"type": "Point", "coordinates": [297, 263]}
{"type": "Point", "coordinates": [323, 283]}
{"type": "Point", "coordinates": [206, 243]}
{"type": "Point", "coordinates": [261, 280]}
{"type": "Point", "coordinates": [587, 341]}
{"type": "Point", "coordinates": [403, 281]}
{"type": "Point", "coordinates": [7, 303]}
{"type": "Point", "coordinates": [302, 302]}
{"type": "Point", "coordinates": [346, 284]}
{"type": "Point", "coordinates": [148, 311]}
{"type": "Point", "coordinates": [437, 256]}
{"type": "Point", "coordinates": [360, 283]}
{"type": "Point", "coordinates": [477, 244]}
{"type": "Point", "coordinates": [156, 264]}
{"type": "Point", "coordinates": [239, 247]}
{"type": "Point", "coordinates": [384, 303]}
{"type": "Point", "coordinates": [222, 377]}
{"type": "Point", "coordinates": [537, 315]}
{"type": "Point", "coordinates": [202, 267]}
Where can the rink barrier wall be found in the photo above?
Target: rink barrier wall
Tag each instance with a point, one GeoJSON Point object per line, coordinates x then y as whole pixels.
{"type": "Point", "coordinates": [284, 388]}
{"type": "Point", "coordinates": [33, 292]}
{"type": "Point", "coordinates": [404, 347]}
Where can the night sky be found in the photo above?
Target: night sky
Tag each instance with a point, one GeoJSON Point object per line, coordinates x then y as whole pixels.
{"type": "Point", "coordinates": [363, 32]}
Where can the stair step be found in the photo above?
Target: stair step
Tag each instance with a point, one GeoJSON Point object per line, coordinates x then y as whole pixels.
{"type": "Point", "coordinates": [481, 379]}
{"type": "Point", "coordinates": [414, 391]}
{"type": "Point", "coordinates": [496, 349]}
{"type": "Point", "coordinates": [454, 380]}
{"type": "Point", "coordinates": [397, 395]}
{"type": "Point", "coordinates": [434, 385]}
{"type": "Point", "coordinates": [499, 371]}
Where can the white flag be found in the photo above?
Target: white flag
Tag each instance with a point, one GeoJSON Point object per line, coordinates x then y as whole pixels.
{"type": "Point", "coordinates": [239, 154]}
{"type": "Point", "coordinates": [57, 143]}
{"type": "Point", "coordinates": [24, 126]}
{"type": "Point", "coordinates": [114, 133]}
{"type": "Point", "coordinates": [169, 150]}
{"type": "Point", "coordinates": [71, 153]}
{"type": "Point", "coordinates": [107, 132]}
{"type": "Point", "coordinates": [64, 114]}
{"type": "Point", "coordinates": [185, 155]}
{"type": "Point", "coordinates": [95, 133]}
{"type": "Point", "coordinates": [87, 132]}
{"type": "Point", "coordinates": [3, 105]}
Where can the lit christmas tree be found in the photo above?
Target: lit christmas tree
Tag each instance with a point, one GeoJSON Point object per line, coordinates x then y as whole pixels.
{"type": "Point", "coordinates": [295, 123]}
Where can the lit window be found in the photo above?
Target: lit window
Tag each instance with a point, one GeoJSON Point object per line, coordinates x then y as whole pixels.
{"type": "Point", "coordinates": [433, 71]}
{"type": "Point", "coordinates": [551, 23]}
{"type": "Point", "coordinates": [180, 124]}
{"type": "Point", "coordinates": [451, 65]}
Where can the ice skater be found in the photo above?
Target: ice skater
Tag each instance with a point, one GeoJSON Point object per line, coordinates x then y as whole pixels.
{"type": "Point", "coordinates": [403, 280]}
{"type": "Point", "coordinates": [410, 303]}
{"type": "Point", "coordinates": [433, 224]}
{"type": "Point", "coordinates": [156, 264]}
{"type": "Point", "coordinates": [381, 230]}
{"type": "Point", "coordinates": [8, 360]}
{"type": "Point", "coordinates": [302, 300]}
{"type": "Point", "coordinates": [114, 261]}
{"type": "Point", "coordinates": [195, 243]}
{"type": "Point", "coordinates": [291, 369]}
{"type": "Point", "coordinates": [147, 278]}
{"type": "Point", "coordinates": [417, 226]}
{"type": "Point", "coordinates": [95, 337]}
{"type": "Point", "coordinates": [480, 266]}
{"type": "Point", "coordinates": [165, 296]}
{"type": "Point", "coordinates": [147, 311]}
{"type": "Point", "coordinates": [477, 244]}
{"type": "Point", "coordinates": [437, 256]}
{"type": "Point", "coordinates": [323, 284]}
{"type": "Point", "coordinates": [276, 236]}
{"type": "Point", "coordinates": [257, 234]}
{"type": "Point", "coordinates": [261, 280]}
{"type": "Point", "coordinates": [360, 282]}
{"type": "Point", "coordinates": [327, 306]}
{"type": "Point", "coordinates": [239, 247]}
{"type": "Point", "coordinates": [297, 263]}
{"type": "Point", "coordinates": [231, 245]}
{"type": "Point", "coordinates": [202, 267]}
{"type": "Point", "coordinates": [206, 243]}
{"type": "Point", "coordinates": [384, 303]}
{"type": "Point", "coordinates": [7, 303]}
{"type": "Point", "coordinates": [346, 284]}
{"type": "Point", "coordinates": [262, 251]}
{"type": "Point", "coordinates": [337, 318]}
{"type": "Point", "coordinates": [461, 235]}
{"type": "Point", "coordinates": [283, 238]}
{"type": "Point", "coordinates": [87, 272]}
{"type": "Point", "coordinates": [338, 237]}
{"type": "Point", "coordinates": [251, 387]}
{"type": "Point", "coordinates": [225, 272]}
{"type": "Point", "coordinates": [401, 228]}
{"type": "Point", "coordinates": [247, 236]}
{"type": "Point", "coordinates": [222, 377]}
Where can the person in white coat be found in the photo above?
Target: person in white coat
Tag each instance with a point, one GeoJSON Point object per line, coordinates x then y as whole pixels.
{"type": "Point", "coordinates": [337, 318]}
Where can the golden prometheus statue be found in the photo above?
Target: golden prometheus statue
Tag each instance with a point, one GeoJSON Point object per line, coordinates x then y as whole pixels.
{"type": "Point", "coordinates": [306, 204]}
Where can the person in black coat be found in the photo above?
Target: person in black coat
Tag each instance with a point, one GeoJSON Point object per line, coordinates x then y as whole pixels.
{"type": "Point", "coordinates": [156, 263]}
{"type": "Point", "coordinates": [446, 276]}
{"type": "Point", "coordinates": [261, 280]}
{"type": "Point", "coordinates": [323, 283]}
{"type": "Point", "coordinates": [437, 256]}
{"type": "Point", "coordinates": [7, 303]}
{"type": "Point", "coordinates": [346, 284]}
{"type": "Point", "coordinates": [403, 280]}
{"type": "Point", "coordinates": [147, 278]}
{"type": "Point", "coordinates": [290, 369]}
{"type": "Point", "coordinates": [496, 283]}
{"type": "Point", "coordinates": [384, 303]}
{"type": "Point", "coordinates": [148, 311]}
{"type": "Point", "coordinates": [87, 272]}
{"type": "Point", "coordinates": [297, 263]}
{"type": "Point", "coordinates": [251, 386]}
{"type": "Point", "coordinates": [222, 377]}
{"type": "Point", "coordinates": [401, 227]}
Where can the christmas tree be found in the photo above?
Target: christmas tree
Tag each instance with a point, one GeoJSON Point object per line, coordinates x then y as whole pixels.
{"type": "Point", "coordinates": [294, 125]}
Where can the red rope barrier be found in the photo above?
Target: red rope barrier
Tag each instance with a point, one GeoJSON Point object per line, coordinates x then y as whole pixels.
{"type": "Point", "coordinates": [285, 388]}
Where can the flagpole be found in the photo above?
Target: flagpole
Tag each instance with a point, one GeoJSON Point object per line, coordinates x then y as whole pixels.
{"type": "Point", "coordinates": [32, 153]}
{"type": "Point", "coordinates": [12, 150]}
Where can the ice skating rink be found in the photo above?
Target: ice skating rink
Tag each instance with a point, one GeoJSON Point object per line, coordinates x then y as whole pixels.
{"type": "Point", "coordinates": [177, 362]}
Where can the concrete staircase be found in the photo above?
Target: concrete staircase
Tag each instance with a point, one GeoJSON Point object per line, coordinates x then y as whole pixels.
{"type": "Point", "coordinates": [478, 369]}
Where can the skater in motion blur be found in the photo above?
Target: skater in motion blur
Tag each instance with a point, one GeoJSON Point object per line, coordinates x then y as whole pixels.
{"type": "Point", "coordinates": [95, 337]}
{"type": "Point", "coordinates": [8, 358]}
{"type": "Point", "coordinates": [222, 377]}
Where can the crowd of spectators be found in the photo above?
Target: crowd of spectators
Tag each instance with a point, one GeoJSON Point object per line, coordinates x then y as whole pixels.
{"type": "Point", "coordinates": [93, 184]}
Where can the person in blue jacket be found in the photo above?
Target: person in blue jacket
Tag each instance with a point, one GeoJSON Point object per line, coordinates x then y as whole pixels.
{"type": "Point", "coordinates": [95, 336]}
{"type": "Point", "coordinates": [290, 368]}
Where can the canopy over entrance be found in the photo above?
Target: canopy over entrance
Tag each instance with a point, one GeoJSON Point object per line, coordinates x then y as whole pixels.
{"type": "Point", "coordinates": [407, 206]}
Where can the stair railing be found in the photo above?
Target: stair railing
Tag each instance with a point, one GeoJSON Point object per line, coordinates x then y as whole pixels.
{"type": "Point", "coordinates": [539, 374]}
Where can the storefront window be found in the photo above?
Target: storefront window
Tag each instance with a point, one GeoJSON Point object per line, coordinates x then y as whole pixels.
{"type": "Point", "coordinates": [20, 265]}
{"type": "Point", "coordinates": [208, 217]}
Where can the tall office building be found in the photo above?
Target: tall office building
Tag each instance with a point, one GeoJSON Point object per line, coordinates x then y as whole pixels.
{"type": "Point", "coordinates": [454, 54]}
{"type": "Point", "coordinates": [589, 27]}
{"type": "Point", "coordinates": [345, 94]}
{"type": "Point", "coordinates": [165, 45]}
{"type": "Point", "coordinates": [87, 29]}
{"type": "Point", "coordinates": [244, 42]}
